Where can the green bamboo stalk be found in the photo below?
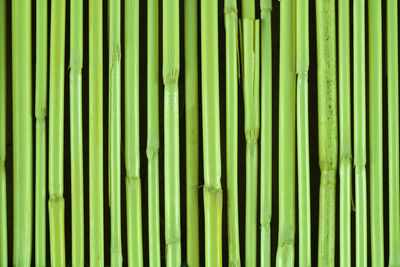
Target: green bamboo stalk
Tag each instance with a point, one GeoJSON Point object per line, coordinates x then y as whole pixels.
{"type": "Point", "coordinates": [132, 141]}
{"type": "Point", "coordinates": [114, 129]}
{"type": "Point", "coordinates": [3, 181]}
{"type": "Point", "coordinates": [345, 133]}
{"type": "Point", "coordinates": [96, 230]}
{"type": "Point", "coordinates": [75, 81]}
{"type": "Point", "coordinates": [56, 134]}
{"type": "Point", "coordinates": [212, 191]}
{"type": "Point", "coordinates": [360, 147]}
{"type": "Point", "coordinates": [303, 154]}
{"type": "Point", "coordinates": [153, 139]}
{"type": "Point", "coordinates": [266, 133]}
{"type": "Point", "coordinates": [376, 131]}
{"type": "Point", "coordinates": [231, 48]}
{"type": "Point", "coordinates": [327, 129]}
{"type": "Point", "coordinates": [192, 133]}
{"type": "Point", "coordinates": [393, 133]}
{"type": "Point", "coordinates": [22, 131]}
{"type": "Point", "coordinates": [171, 128]}
{"type": "Point", "coordinates": [287, 86]}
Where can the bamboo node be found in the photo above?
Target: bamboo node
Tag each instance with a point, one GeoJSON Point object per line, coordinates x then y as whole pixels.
{"type": "Point", "coordinates": [132, 180]}
{"type": "Point", "coordinates": [171, 76]}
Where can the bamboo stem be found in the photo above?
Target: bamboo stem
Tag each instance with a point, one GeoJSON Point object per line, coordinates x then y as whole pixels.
{"type": "Point", "coordinates": [96, 133]}
{"type": "Point", "coordinates": [22, 131]}
{"type": "Point", "coordinates": [393, 131]}
{"type": "Point", "coordinates": [266, 133]}
{"type": "Point", "coordinates": [376, 131]}
{"type": "Point", "coordinates": [192, 133]}
{"type": "Point", "coordinates": [327, 129]}
{"type": "Point", "coordinates": [153, 139]}
{"type": "Point", "coordinates": [212, 190]}
{"type": "Point", "coordinates": [231, 48]}
{"type": "Point", "coordinates": [287, 86]}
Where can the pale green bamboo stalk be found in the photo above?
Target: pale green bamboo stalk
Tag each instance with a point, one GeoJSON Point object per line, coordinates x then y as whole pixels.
{"type": "Point", "coordinates": [266, 133]}
{"type": "Point", "coordinates": [327, 129]}
{"type": "Point", "coordinates": [22, 131]}
{"type": "Point", "coordinates": [132, 141]}
{"type": "Point", "coordinates": [96, 230]}
{"type": "Point", "coordinates": [231, 48]}
{"type": "Point", "coordinates": [76, 141]}
{"type": "Point", "coordinates": [212, 191]}
{"type": "Point", "coordinates": [393, 132]}
{"type": "Point", "coordinates": [303, 154]}
{"type": "Point", "coordinates": [192, 133]}
{"type": "Point", "coordinates": [360, 144]}
{"type": "Point", "coordinates": [56, 134]}
{"type": "Point", "coordinates": [345, 133]}
{"type": "Point", "coordinates": [114, 129]}
{"type": "Point", "coordinates": [40, 114]}
{"type": "Point", "coordinates": [287, 92]}
{"type": "Point", "coordinates": [376, 131]}
{"type": "Point", "coordinates": [3, 181]}
{"type": "Point", "coordinates": [170, 35]}
{"type": "Point", "coordinates": [153, 138]}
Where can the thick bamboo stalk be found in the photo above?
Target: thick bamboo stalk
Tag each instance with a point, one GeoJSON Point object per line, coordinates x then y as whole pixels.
{"type": "Point", "coordinates": [22, 131]}
{"type": "Point", "coordinates": [231, 48]}
{"type": "Point", "coordinates": [170, 37]}
{"type": "Point", "coordinates": [114, 130]}
{"type": "Point", "coordinates": [266, 133]}
{"type": "Point", "coordinates": [76, 141]}
{"type": "Point", "coordinates": [393, 132]}
{"type": "Point", "coordinates": [212, 190]}
{"type": "Point", "coordinates": [287, 95]}
{"type": "Point", "coordinates": [132, 141]}
{"type": "Point", "coordinates": [192, 133]}
{"type": "Point", "coordinates": [96, 230]}
{"type": "Point", "coordinates": [360, 144]}
{"type": "Point", "coordinates": [327, 129]}
{"type": "Point", "coordinates": [376, 131]}
{"type": "Point", "coordinates": [3, 182]}
{"type": "Point", "coordinates": [303, 154]}
{"type": "Point", "coordinates": [345, 163]}
{"type": "Point", "coordinates": [153, 137]}
{"type": "Point", "coordinates": [56, 134]}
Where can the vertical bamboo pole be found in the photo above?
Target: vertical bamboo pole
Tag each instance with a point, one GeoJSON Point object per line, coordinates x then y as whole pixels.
{"type": "Point", "coordinates": [22, 131]}
{"type": "Point", "coordinates": [76, 141]}
{"type": "Point", "coordinates": [114, 129]}
{"type": "Point", "coordinates": [393, 132]}
{"type": "Point", "coordinates": [303, 154]}
{"type": "Point", "coordinates": [153, 138]}
{"type": "Point", "coordinates": [266, 133]}
{"type": "Point", "coordinates": [360, 144]}
{"type": "Point", "coordinates": [3, 182]}
{"type": "Point", "coordinates": [40, 114]}
{"type": "Point", "coordinates": [287, 86]}
{"type": "Point", "coordinates": [211, 133]}
{"type": "Point", "coordinates": [327, 129]}
{"type": "Point", "coordinates": [231, 48]}
{"type": "Point", "coordinates": [132, 142]}
{"type": "Point", "coordinates": [345, 133]}
{"type": "Point", "coordinates": [376, 131]}
{"type": "Point", "coordinates": [96, 133]}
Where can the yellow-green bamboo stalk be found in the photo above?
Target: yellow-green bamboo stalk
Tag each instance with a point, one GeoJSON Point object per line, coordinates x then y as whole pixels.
{"type": "Point", "coordinates": [266, 134]}
{"type": "Point", "coordinates": [114, 129]}
{"type": "Point", "coordinates": [96, 229]}
{"type": "Point", "coordinates": [212, 190]}
{"type": "Point", "coordinates": [132, 141]}
{"type": "Point", "coordinates": [22, 131]}
{"type": "Point", "coordinates": [287, 92]}
{"type": "Point", "coordinates": [153, 138]}
{"type": "Point", "coordinates": [76, 141]}
{"type": "Point", "coordinates": [231, 48]}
